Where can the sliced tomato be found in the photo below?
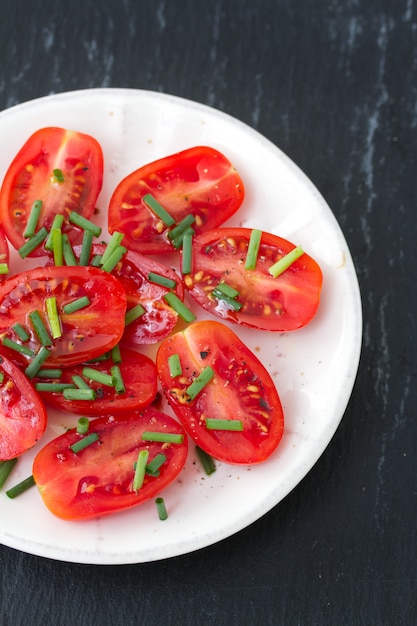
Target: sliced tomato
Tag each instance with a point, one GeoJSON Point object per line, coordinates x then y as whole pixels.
{"type": "Point", "coordinates": [241, 390]}
{"type": "Point", "coordinates": [22, 412]}
{"type": "Point", "coordinates": [284, 303]}
{"type": "Point", "coordinates": [98, 480]}
{"type": "Point", "coordinates": [30, 177]}
{"type": "Point", "coordinates": [199, 181]}
{"type": "Point", "coordinates": [138, 373]}
{"type": "Point", "coordinates": [4, 254]}
{"type": "Point", "coordinates": [86, 333]}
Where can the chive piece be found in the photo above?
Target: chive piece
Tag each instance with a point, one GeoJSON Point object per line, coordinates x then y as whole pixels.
{"type": "Point", "coordinates": [198, 384]}
{"type": "Point", "coordinates": [119, 385]}
{"type": "Point", "coordinates": [174, 365]}
{"type": "Point", "coordinates": [86, 246]}
{"type": "Point", "coordinates": [49, 373]}
{"type": "Point", "coordinates": [253, 249]}
{"type": "Point", "coordinates": [4, 268]}
{"type": "Point", "coordinates": [84, 442]}
{"type": "Point", "coordinates": [179, 307]}
{"type": "Point", "coordinates": [1, 381]}
{"type": "Point", "coordinates": [36, 363]}
{"type": "Point", "coordinates": [53, 317]}
{"type": "Point", "coordinates": [164, 281]}
{"type": "Point", "coordinates": [227, 290]}
{"type": "Point", "coordinates": [161, 508]}
{"type": "Point", "coordinates": [133, 314]}
{"type": "Point", "coordinates": [83, 223]}
{"type": "Point", "coordinates": [40, 328]}
{"type": "Point", "coordinates": [115, 354]}
{"type": "Point", "coordinates": [162, 437]}
{"type": "Point", "coordinates": [114, 243]}
{"type": "Point", "coordinates": [181, 227]}
{"type": "Point", "coordinates": [79, 382]}
{"type": "Point", "coordinates": [99, 358]}
{"type": "Point", "coordinates": [234, 304]}
{"type": "Point", "coordinates": [76, 305]}
{"type": "Point", "coordinates": [21, 487]}
{"type": "Point", "coordinates": [139, 475]}
{"type": "Point", "coordinates": [187, 256]}
{"type": "Point", "coordinates": [20, 331]}
{"type": "Point", "coordinates": [58, 175]}
{"type": "Point", "coordinates": [83, 425]}
{"type": "Point", "coordinates": [96, 260]}
{"type": "Point", "coordinates": [158, 210]}
{"type": "Point", "coordinates": [17, 347]}
{"type": "Point", "coordinates": [57, 222]}
{"type": "Point", "coordinates": [53, 387]}
{"type": "Point", "coordinates": [56, 236]}
{"type": "Point", "coordinates": [33, 219]}
{"type": "Point", "coordinates": [79, 394]}
{"type": "Point", "coordinates": [67, 252]}
{"type": "Point", "coordinates": [284, 263]}
{"type": "Point", "coordinates": [98, 377]}
{"type": "Point", "coordinates": [219, 424]}
{"type": "Point", "coordinates": [34, 242]}
{"type": "Point", "coordinates": [113, 259]}
{"type": "Point", "coordinates": [178, 241]}
{"type": "Point", "coordinates": [6, 468]}
{"type": "Point", "coordinates": [206, 461]}
{"type": "Point", "coordinates": [154, 465]}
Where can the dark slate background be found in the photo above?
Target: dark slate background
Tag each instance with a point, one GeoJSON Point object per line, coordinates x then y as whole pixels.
{"type": "Point", "coordinates": [333, 84]}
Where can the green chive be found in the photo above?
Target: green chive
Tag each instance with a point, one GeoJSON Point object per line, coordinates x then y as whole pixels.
{"type": "Point", "coordinates": [36, 363]}
{"type": "Point", "coordinates": [84, 442]}
{"type": "Point", "coordinates": [86, 247]}
{"type": "Point", "coordinates": [96, 260]}
{"type": "Point", "coordinates": [83, 223]}
{"type": "Point", "coordinates": [114, 243]}
{"type": "Point", "coordinates": [40, 328]}
{"type": "Point", "coordinates": [49, 373]}
{"type": "Point", "coordinates": [219, 424]}
{"type": "Point", "coordinates": [53, 317]}
{"type": "Point", "coordinates": [98, 377]}
{"type": "Point", "coordinates": [76, 305]}
{"type": "Point", "coordinates": [154, 465]}
{"type": "Point", "coordinates": [21, 487]}
{"type": "Point", "coordinates": [67, 252]}
{"type": "Point", "coordinates": [253, 249]}
{"type": "Point", "coordinates": [139, 475]}
{"type": "Point", "coordinates": [227, 290]}
{"type": "Point", "coordinates": [161, 508]}
{"type": "Point", "coordinates": [200, 382]}
{"type": "Point", "coordinates": [79, 394]}
{"type": "Point", "coordinates": [220, 295]}
{"type": "Point", "coordinates": [83, 425]}
{"type": "Point", "coordinates": [57, 247]}
{"type": "Point", "coordinates": [20, 332]}
{"type": "Point", "coordinates": [179, 307]}
{"type": "Point", "coordinates": [4, 268]}
{"type": "Point", "coordinates": [284, 263]}
{"type": "Point", "coordinates": [53, 387]}
{"type": "Point", "coordinates": [206, 461]}
{"type": "Point", "coordinates": [178, 241]}
{"type": "Point", "coordinates": [57, 222]}
{"type": "Point", "coordinates": [187, 256]}
{"type": "Point", "coordinates": [158, 279]}
{"type": "Point", "coordinates": [162, 437]}
{"type": "Point", "coordinates": [181, 227]}
{"type": "Point", "coordinates": [1, 381]}
{"type": "Point", "coordinates": [119, 385]}
{"type": "Point", "coordinates": [33, 219]}
{"type": "Point", "coordinates": [158, 210]}
{"type": "Point", "coordinates": [17, 347]}
{"type": "Point", "coordinates": [113, 259]}
{"type": "Point", "coordinates": [58, 175]}
{"type": "Point", "coordinates": [133, 314]}
{"type": "Point", "coordinates": [174, 365]}
{"type": "Point", "coordinates": [6, 468]}
{"type": "Point", "coordinates": [34, 242]}
{"type": "Point", "coordinates": [79, 382]}
{"type": "Point", "coordinates": [116, 356]}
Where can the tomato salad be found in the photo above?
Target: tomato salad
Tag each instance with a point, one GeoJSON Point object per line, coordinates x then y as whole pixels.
{"type": "Point", "coordinates": [73, 329]}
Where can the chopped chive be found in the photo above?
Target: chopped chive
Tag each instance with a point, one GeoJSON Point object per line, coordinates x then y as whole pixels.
{"type": "Point", "coordinates": [79, 394]}
{"type": "Point", "coordinates": [53, 387]}
{"type": "Point", "coordinates": [40, 328]}
{"type": "Point", "coordinates": [154, 465]}
{"type": "Point", "coordinates": [53, 317]}
{"type": "Point", "coordinates": [4, 268]}
{"type": "Point", "coordinates": [33, 219]}
{"type": "Point", "coordinates": [119, 385]}
{"type": "Point", "coordinates": [36, 363]}
{"type": "Point", "coordinates": [181, 227]}
{"type": "Point", "coordinates": [115, 354]}
{"type": "Point", "coordinates": [34, 242]}
{"type": "Point", "coordinates": [83, 425]}
{"type": "Point", "coordinates": [1, 379]}
{"type": "Point", "coordinates": [57, 222]}
{"type": "Point", "coordinates": [284, 263]}
{"type": "Point", "coordinates": [17, 347]}
{"type": "Point", "coordinates": [158, 210]}
{"type": "Point", "coordinates": [98, 377]}
{"type": "Point", "coordinates": [164, 281]}
{"type": "Point", "coordinates": [220, 295]}
{"type": "Point", "coordinates": [58, 175]}
{"type": "Point", "coordinates": [198, 384]}
{"type": "Point", "coordinates": [76, 305]}
{"type": "Point", "coordinates": [20, 332]}
{"type": "Point", "coordinates": [253, 249]}
{"type": "Point", "coordinates": [67, 252]}
{"type": "Point", "coordinates": [79, 382]}
{"type": "Point", "coordinates": [6, 468]}
{"type": "Point", "coordinates": [179, 307]}
{"type": "Point", "coordinates": [84, 442]}
{"type": "Point", "coordinates": [133, 314]}
{"type": "Point", "coordinates": [99, 358]}
{"type": "Point", "coordinates": [162, 437]}
{"type": "Point", "coordinates": [174, 365]}
{"type": "Point", "coordinates": [177, 242]}
{"type": "Point", "coordinates": [227, 290]}
{"type": "Point", "coordinates": [219, 424]}
{"type": "Point", "coordinates": [113, 259]}
{"type": "Point", "coordinates": [56, 235]}
{"type": "Point", "coordinates": [21, 487]}
{"type": "Point", "coordinates": [206, 461]}
{"type": "Point", "coordinates": [83, 223]}
{"type": "Point", "coordinates": [115, 241]}
{"type": "Point", "coordinates": [161, 509]}
{"type": "Point", "coordinates": [187, 256]}
{"type": "Point", "coordinates": [86, 247]}
{"type": "Point", "coordinates": [96, 260]}
{"type": "Point", "coordinates": [49, 373]}
{"type": "Point", "coordinates": [139, 475]}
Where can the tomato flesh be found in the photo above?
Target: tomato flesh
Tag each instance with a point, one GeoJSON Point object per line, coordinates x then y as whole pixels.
{"type": "Point", "coordinates": [241, 389]}
{"type": "Point", "coordinates": [30, 178]}
{"type": "Point", "coordinates": [200, 180]}
{"type": "Point", "coordinates": [98, 480]}
{"type": "Point", "coordinates": [86, 333]}
{"type": "Point", "coordinates": [285, 303]}
{"type": "Point", "coordinates": [22, 412]}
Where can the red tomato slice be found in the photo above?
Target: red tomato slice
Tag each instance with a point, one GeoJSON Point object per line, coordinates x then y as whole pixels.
{"type": "Point", "coordinates": [98, 480]}
{"type": "Point", "coordinates": [22, 412]}
{"type": "Point", "coordinates": [285, 303]}
{"type": "Point", "coordinates": [30, 178]}
{"type": "Point", "coordinates": [200, 180]}
{"type": "Point", "coordinates": [139, 377]}
{"type": "Point", "coordinates": [241, 390]}
{"type": "Point", "coordinates": [86, 333]}
{"type": "Point", "coordinates": [4, 253]}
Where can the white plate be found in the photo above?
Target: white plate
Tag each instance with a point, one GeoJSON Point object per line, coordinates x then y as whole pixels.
{"type": "Point", "coordinates": [313, 368]}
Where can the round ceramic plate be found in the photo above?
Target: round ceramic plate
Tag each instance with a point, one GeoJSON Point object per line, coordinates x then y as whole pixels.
{"type": "Point", "coordinates": [313, 368]}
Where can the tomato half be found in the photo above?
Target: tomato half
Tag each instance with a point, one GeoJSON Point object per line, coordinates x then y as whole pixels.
{"type": "Point", "coordinates": [86, 333]}
{"type": "Point", "coordinates": [241, 390]}
{"type": "Point", "coordinates": [98, 480]}
{"type": "Point", "coordinates": [138, 373]}
{"type": "Point", "coordinates": [30, 177]}
{"type": "Point", "coordinates": [284, 303]}
{"type": "Point", "coordinates": [199, 181]}
{"type": "Point", "coordinates": [22, 412]}
{"type": "Point", "coordinates": [4, 253]}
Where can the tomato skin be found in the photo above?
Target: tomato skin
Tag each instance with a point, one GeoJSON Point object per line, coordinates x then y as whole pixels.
{"type": "Point", "coordinates": [30, 178]}
{"type": "Point", "coordinates": [200, 180]}
{"type": "Point", "coordinates": [139, 376]}
{"type": "Point", "coordinates": [86, 333]}
{"type": "Point", "coordinates": [285, 303]}
{"type": "Point", "coordinates": [241, 389]}
{"type": "Point", "coordinates": [4, 252]}
{"type": "Point", "coordinates": [22, 412]}
{"type": "Point", "coordinates": [97, 481]}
